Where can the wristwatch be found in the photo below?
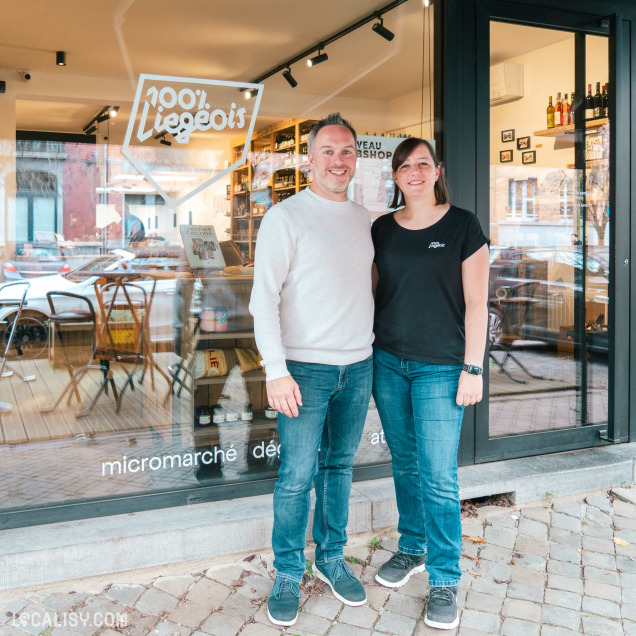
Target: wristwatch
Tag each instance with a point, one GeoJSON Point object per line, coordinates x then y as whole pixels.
{"type": "Point", "coordinates": [473, 369]}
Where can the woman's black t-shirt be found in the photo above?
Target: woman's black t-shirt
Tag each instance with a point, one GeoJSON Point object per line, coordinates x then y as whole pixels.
{"type": "Point", "coordinates": [419, 299]}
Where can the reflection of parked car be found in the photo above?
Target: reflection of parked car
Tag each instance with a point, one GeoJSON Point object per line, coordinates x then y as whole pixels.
{"type": "Point", "coordinates": [35, 260]}
{"type": "Point", "coordinates": [532, 292]}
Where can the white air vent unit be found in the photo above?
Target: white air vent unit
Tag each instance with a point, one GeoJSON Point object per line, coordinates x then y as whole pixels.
{"type": "Point", "coordinates": [506, 83]}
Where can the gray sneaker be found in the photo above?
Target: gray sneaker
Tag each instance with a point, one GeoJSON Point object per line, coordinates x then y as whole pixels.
{"type": "Point", "coordinates": [441, 612]}
{"type": "Point", "coordinates": [399, 569]}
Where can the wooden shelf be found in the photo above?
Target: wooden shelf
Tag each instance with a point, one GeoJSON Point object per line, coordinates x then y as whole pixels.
{"type": "Point", "coordinates": [291, 187]}
{"type": "Point", "coordinates": [210, 434]}
{"type": "Point", "coordinates": [557, 131]}
{"type": "Point", "coordinates": [591, 163]}
{"type": "Point", "coordinates": [225, 335]}
{"type": "Point", "coordinates": [251, 376]}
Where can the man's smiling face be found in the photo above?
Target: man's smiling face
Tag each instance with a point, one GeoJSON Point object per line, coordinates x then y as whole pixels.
{"type": "Point", "coordinates": [333, 161]}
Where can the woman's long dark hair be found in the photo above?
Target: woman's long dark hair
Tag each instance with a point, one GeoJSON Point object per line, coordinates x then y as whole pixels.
{"type": "Point", "coordinates": [401, 154]}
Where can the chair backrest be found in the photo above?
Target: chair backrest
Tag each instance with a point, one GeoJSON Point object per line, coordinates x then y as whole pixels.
{"type": "Point", "coordinates": [51, 295]}
{"type": "Point", "coordinates": [6, 300]}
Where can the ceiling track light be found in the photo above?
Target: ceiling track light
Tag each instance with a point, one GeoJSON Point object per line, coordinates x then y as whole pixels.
{"type": "Point", "coordinates": [428, 3]}
{"type": "Point", "coordinates": [60, 58]}
{"type": "Point", "coordinates": [101, 116]}
{"type": "Point", "coordinates": [162, 139]}
{"type": "Point", "coordinates": [382, 31]}
{"type": "Point", "coordinates": [90, 131]}
{"type": "Point", "coordinates": [113, 111]}
{"type": "Point", "coordinates": [290, 78]}
{"type": "Point", "coordinates": [317, 59]}
{"type": "Point", "coordinates": [319, 46]}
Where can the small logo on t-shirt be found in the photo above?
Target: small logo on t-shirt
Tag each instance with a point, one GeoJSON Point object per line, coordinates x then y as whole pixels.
{"type": "Point", "coordinates": [435, 244]}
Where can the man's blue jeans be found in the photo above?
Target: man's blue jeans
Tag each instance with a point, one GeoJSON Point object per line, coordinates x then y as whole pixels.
{"type": "Point", "coordinates": [331, 419]}
{"type": "Point", "coordinates": [422, 423]}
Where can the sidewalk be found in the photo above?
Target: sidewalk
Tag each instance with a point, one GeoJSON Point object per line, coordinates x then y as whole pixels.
{"type": "Point", "coordinates": [556, 567]}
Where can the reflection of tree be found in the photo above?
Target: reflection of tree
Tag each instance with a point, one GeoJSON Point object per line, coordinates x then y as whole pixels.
{"type": "Point", "coordinates": [597, 187]}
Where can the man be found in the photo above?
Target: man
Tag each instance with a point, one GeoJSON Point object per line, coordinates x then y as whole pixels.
{"type": "Point", "coordinates": [313, 320]}
{"type": "Point", "coordinates": [575, 240]}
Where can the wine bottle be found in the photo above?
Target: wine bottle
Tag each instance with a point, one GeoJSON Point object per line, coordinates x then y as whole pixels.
{"type": "Point", "coordinates": [566, 111]}
{"type": "Point", "coordinates": [550, 113]}
{"type": "Point", "coordinates": [571, 113]}
{"type": "Point", "coordinates": [589, 103]}
{"type": "Point", "coordinates": [598, 101]}
{"type": "Point", "coordinates": [558, 111]}
{"type": "Point", "coordinates": [606, 100]}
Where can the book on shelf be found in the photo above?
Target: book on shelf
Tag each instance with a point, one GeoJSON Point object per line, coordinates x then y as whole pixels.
{"type": "Point", "coordinates": [202, 247]}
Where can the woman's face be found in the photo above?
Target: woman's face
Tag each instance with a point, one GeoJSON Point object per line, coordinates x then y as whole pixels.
{"type": "Point", "coordinates": [416, 177]}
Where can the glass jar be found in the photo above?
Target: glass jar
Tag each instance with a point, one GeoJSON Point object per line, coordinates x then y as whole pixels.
{"type": "Point", "coordinates": [270, 413]}
{"type": "Point", "coordinates": [220, 318]}
{"type": "Point", "coordinates": [246, 413]}
{"type": "Point", "coordinates": [218, 414]}
{"type": "Point", "coordinates": [203, 416]}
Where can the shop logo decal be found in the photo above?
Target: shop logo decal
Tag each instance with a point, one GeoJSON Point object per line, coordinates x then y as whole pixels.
{"type": "Point", "coordinates": [181, 106]}
{"type": "Point", "coordinates": [435, 245]}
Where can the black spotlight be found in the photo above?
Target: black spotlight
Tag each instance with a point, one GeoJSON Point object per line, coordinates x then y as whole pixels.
{"type": "Point", "coordinates": [91, 130]}
{"type": "Point", "coordinates": [249, 93]}
{"type": "Point", "coordinates": [113, 111]}
{"type": "Point", "coordinates": [290, 78]}
{"type": "Point", "coordinates": [317, 59]}
{"type": "Point", "coordinates": [60, 58]}
{"type": "Point", "coordinates": [380, 29]}
{"type": "Point", "coordinates": [165, 142]}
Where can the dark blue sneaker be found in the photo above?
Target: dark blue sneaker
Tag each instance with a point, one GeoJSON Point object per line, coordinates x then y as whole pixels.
{"type": "Point", "coordinates": [400, 568]}
{"type": "Point", "coordinates": [283, 602]}
{"type": "Point", "coordinates": [441, 612]}
{"type": "Point", "coordinates": [344, 585]}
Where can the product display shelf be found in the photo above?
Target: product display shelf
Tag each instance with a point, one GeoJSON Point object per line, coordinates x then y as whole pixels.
{"type": "Point", "coordinates": [591, 163]}
{"type": "Point", "coordinates": [225, 335]}
{"type": "Point", "coordinates": [590, 124]}
{"type": "Point", "coordinates": [210, 433]}
{"type": "Point", "coordinates": [251, 376]}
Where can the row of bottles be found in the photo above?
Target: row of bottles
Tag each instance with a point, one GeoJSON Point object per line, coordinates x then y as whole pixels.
{"type": "Point", "coordinates": [393, 135]}
{"type": "Point", "coordinates": [284, 140]}
{"type": "Point", "coordinates": [562, 113]}
{"type": "Point", "coordinates": [284, 181]}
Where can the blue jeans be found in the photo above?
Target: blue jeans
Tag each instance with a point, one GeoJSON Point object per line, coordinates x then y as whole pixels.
{"type": "Point", "coordinates": [422, 423]}
{"type": "Point", "coordinates": [331, 420]}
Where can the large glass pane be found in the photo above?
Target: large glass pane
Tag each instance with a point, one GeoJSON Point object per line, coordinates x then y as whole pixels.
{"type": "Point", "coordinates": [550, 234]}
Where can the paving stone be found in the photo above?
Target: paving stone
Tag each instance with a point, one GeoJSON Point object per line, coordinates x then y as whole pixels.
{"type": "Point", "coordinates": [467, 631]}
{"type": "Point", "coordinates": [559, 535]}
{"type": "Point", "coordinates": [309, 623]}
{"type": "Point", "coordinates": [326, 607]}
{"type": "Point", "coordinates": [602, 607]}
{"type": "Point", "coordinates": [628, 550]}
{"type": "Point", "coordinates": [553, 630]}
{"type": "Point", "coordinates": [622, 509]}
{"type": "Point", "coordinates": [472, 528]}
{"type": "Point", "coordinates": [189, 613]}
{"type": "Point", "coordinates": [139, 625]}
{"type": "Point", "coordinates": [560, 616]}
{"type": "Point", "coordinates": [226, 575]}
{"type": "Point", "coordinates": [626, 564]}
{"type": "Point", "coordinates": [596, 626]}
{"type": "Point", "coordinates": [359, 616]}
{"type": "Point", "coordinates": [628, 580]}
{"type": "Point", "coordinates": [567, 522]}
{"type": "Point", "coordinates": [496, 570]}
{"type": "Point", "coordinates": [597, 530]}
{"type": "Point", "coordinates": [255, 586]}
{"type": "Point", "coordinates": [526, 610]}
{"type": "Point", "coordinates": [628, 535]}
{"type": "Point", "coordinates": [535, 529]}
{"type": "Point", "coordinates": [390, 623]}
{"type": "Point", "coordinates": [560, 552]}
{"type": "Point", "coordinates": [624, 523]}
{"type": "Point", "coordinates": [598, 560]}
{"type": "Point", "coordinates": [597, 516]}
{"type": "Point", "coordinates": [496, 554]}
{"type": "Point", "coordinates": [417, 586]}
{"type": "Point", "coordinates": [568, 507]}
{"type": "Point", "coordinates": [490, 513]}
{"type": "Point", "coordinates": [496, 535]}
{"type": "Point", "coordinates": [488, 586]}
{"type": "Point", "coordinates": [174, 585]}
{"type": "Point", "coordinates": [208, 592]}
{"type": "Point", "coordinates": [536, 513]}
{"type": "Point", "coordinates": [592, 544]}
{"type": "Point", "coordinates": [529, 577]}
{"type": "Point", "coordinates": [405, 605]}
{"type": "Point", "coordinates": [98, 608]}
{"type": "Point", "coordinates": [376, 597]}
{"type": "Point", "coordinates": [516, 627]}
{"type": "Point", "coordinates": [628, 611]}
{"type": "Point", "coordinates": [591, 573]}
{"type": "Point", "coordinates": [390, 544]}
{"type": "Point", "coordinates": [167, 628]}
{"type": "Point", "coordinates": [422, 629]}
{"type": "Point", "coordinates": [125, 594]}
{"type": "Point", "coordinates": [567, 583]}
{"type": "Point", "coordinates": [379, 558]}
{"type": "Point", "coordinates": [525, 592]}
{"type": "Point", "coordinates": [564, 569]}
{"type": "Point", "coordinates": [155, 602]}
{"type": "Point", "coordinates": [484, 602]}
{"type": "Point", "coordinates": [64, 602]}
{"type": "Point", "coordinates": [626, 494]}
{"type": "Point", "coordinates": [260, 630]}
{"type": "Point", "coordinates": [600, 502]}
{"type": "Point", "coordinates": [561, 598]}
{"type": "Point", "coordinates": [530, 561]}
{"type": "Point", "coordinates": [482, 621]}
{"type": "Point", "coordinates": [601, 590]}
{"type": "Point", "coordinates": [531, 545]}
{"type": "Point", "coordinates": [240, 606]}
{"type": "Point", "coordinates": [7, 630]}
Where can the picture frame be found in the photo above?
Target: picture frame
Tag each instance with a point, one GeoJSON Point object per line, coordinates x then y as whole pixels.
{"type": "Point", "coordinates": [523, 143]}
{"type": "Point", "coordinates": [530, 156]}
{"type": "Point", "coordinates": [505, 156]}
{"type": "Point", "coordinates": [508, 135]}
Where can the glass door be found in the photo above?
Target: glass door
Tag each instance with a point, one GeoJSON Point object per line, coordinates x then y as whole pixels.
{"type": "Point", "coordinates": [551, 295]}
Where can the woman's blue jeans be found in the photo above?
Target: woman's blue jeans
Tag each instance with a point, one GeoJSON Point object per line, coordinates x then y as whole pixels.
{"type": "Point", "coordinates": [331, 419]}
{"type": "Point", "coordinates": [422, 423]}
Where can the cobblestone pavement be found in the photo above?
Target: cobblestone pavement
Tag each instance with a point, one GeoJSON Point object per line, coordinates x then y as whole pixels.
{"type": "Point", "coordinates": [556, 567]}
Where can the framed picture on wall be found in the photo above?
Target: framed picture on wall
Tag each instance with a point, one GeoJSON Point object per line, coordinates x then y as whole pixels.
{"type": "Point", "coordinates": [508, 135]}
{"type": "Point", "coordinates": [523, 143]}
{"type": "Point", "coordinates": [529, 157]}
{"type": "Point", "coordinates": [505, 156]}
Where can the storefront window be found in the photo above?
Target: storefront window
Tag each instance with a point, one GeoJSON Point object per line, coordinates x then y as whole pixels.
{"type": "Point", "coordinates": [131, 366]}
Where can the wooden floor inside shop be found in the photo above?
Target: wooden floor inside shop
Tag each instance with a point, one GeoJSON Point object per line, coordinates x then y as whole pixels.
{"type": "Point", "coordinates": [140, 408]}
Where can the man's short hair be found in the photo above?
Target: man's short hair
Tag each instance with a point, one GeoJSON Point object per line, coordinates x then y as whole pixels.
{"type": "Point", "coordinates": [334, 119]}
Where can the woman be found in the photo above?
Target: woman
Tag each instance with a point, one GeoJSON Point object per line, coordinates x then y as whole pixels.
{"type": "Point", "coordinates": [431, 269]}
